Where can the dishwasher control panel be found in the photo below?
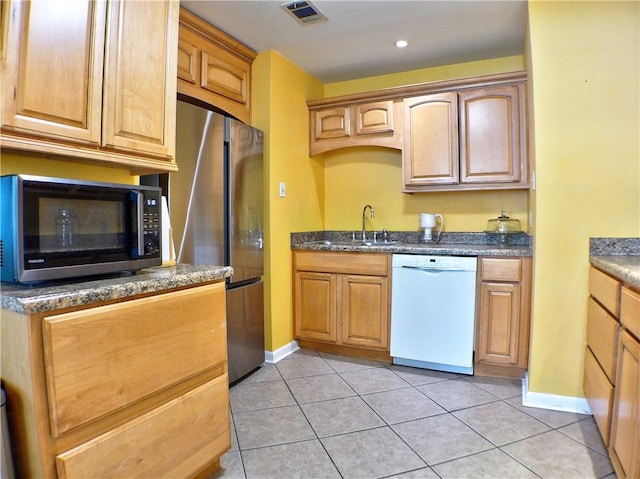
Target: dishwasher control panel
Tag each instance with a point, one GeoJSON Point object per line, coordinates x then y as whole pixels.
{"type": "Point", "coordinates": [434, 262]}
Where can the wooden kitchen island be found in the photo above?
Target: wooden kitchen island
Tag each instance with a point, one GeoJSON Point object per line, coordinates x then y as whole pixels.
{"type": "Point", "coordinates": [118, 377]}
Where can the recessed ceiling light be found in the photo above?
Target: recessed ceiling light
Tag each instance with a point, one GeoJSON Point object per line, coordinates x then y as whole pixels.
{"type": "Point", "coordinates": [401, 43]}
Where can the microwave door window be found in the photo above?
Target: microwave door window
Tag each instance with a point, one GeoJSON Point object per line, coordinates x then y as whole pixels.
{"type": "Point", "coordinates": [76, 229]}
{"type": "Point", "coordinates": [81, 225]}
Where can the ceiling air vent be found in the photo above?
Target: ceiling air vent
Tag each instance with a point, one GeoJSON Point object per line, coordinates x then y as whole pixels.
{"type": "Point", "coordinates": [304, 12]}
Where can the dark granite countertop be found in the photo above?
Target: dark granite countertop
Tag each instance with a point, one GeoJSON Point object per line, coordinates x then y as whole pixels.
{"type": "Point", "coordinates": [49, 296]}
{"type": "Point", "coordinates": [455, 244]}
{"type": "Point", "coordinates": [620, 257]}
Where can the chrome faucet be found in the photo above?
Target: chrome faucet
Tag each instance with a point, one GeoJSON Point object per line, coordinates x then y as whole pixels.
{"type": "Point", "coordinates": [373, 215]}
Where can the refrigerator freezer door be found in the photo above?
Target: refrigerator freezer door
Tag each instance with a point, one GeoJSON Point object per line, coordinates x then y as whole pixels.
{"type": "Point", "coordinates": [196, 191]}
{"type": "Point", "coordinates": [246, 234]}
{"type": "Point", "coordinates": [245, 329]}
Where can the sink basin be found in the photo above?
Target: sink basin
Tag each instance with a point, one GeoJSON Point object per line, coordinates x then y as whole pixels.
{"type": "Point", "coordinates": [352, 243]}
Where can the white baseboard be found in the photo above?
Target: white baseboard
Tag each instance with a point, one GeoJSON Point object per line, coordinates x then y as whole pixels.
{"type": "Point", "coordinates": [281, 353]}
{"type": "Point", "coordinates": [553, 401]}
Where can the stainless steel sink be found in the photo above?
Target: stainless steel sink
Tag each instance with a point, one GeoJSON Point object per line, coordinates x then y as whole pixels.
{"type": "Point", "coordinates": [352, 243]}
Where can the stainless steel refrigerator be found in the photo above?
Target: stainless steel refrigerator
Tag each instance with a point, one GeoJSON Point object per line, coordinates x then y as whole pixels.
{"type": "Point", "coordinates": [216, 209]}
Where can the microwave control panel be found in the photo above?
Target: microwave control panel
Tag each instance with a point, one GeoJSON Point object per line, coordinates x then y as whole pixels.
{"type": "Point", "coordinates": [151, 225]}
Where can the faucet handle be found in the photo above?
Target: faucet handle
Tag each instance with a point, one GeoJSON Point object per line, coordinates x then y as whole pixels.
{"type": "Point", "coordinates": [384, 234]}
{"type": "Point", "coordinates": [375, 236]}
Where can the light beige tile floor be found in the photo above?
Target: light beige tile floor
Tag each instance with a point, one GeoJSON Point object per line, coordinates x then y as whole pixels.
{"type": "Point", "coordinates": [316, 415]}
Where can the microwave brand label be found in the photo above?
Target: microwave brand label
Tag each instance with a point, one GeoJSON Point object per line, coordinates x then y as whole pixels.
{"type": "Point", "coordinates": [35, 261]}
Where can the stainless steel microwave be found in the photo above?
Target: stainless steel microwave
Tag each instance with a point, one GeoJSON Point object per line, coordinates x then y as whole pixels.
{"type": "Point", "coordinates": [54, 228]}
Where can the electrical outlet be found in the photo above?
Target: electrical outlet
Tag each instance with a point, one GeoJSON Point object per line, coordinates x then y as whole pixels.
{"type": "Point", "coordinates": [283, 190]}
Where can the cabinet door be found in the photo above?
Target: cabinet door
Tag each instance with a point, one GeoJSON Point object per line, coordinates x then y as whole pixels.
{"type": "Point", "coordinates": [188, 66]}
{"type": "Point", "coordinates": [315, 306]}
{"type": "Point", "coordinates": [499, 323]}
{"type": "Point", "coordinates": [374, 118]}
{"type": "Point", "coordinates": [364, 307]}
{"type": "Point", "coordinates": [53, 70]}
{"type": "Point", "coordinates": [140, 77]}
{"type": "Point", "coordinates": [624, 447]}
{"type": "Point", "coordinates": [430, 154]}
{"type": "Point", "coordinates": [331, 123]}
{"type": "Point", "coordinates": [490, 132]}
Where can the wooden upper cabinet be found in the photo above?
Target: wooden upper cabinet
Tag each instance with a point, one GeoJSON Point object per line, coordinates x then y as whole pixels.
{"type": "Point", "coordinates": [463, 134]}
{"type": "Point", "coordinates": [465, 140]}
{"type": "Point", "coordinates": [214, 67]}
{"type": "Point", "coordinates": [95, 80]}
{"type": "Point", "coordinates": [140, 77]}
{"type": "Point", "coordinates": [53, 70]}
{"type": "Point", "coordinates": [375, 123]}
{"type": "Point", "coordinates": [490, 130]}
{"type": "Point", "coordinates": [430, 154]}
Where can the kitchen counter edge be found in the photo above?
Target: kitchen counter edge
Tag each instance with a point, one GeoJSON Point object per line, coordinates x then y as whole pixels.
{"type": "Point", "coordinates": [424, 249]}
{"type": "Point", "coordinates": [37, 298]}
{"type": "Point", "coordinates": [626, 268]}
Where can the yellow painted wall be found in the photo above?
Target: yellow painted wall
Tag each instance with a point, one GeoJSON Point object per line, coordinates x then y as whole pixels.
{"type": "Point", "coordinates": [12, 162]}
{"type": "Point", "coordinates": [445, 72]}
{"type": "Point", "coordinates": [280, 91]}
{"type": "Point", "coordinates": [584, 65]}
{"type": "Point", "coordinates": [355, 177]}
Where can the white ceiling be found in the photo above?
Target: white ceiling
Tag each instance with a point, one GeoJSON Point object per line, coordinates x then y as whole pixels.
{"type": "Point", "coordinates": [358, 38]}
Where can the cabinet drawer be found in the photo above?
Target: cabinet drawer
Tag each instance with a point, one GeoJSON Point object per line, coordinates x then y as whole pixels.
{"type": "Point", "coordinates": [101, 359]}
{"type": "Point", "coordinates": [630, 311]}
{"type": "Point", "coordinates": [501, 269]}
{"type": "Point", "coordinates": [602, 337]}
{"type": "Point", "coordinates": [599, 393]}
{"type": "Point", "coordinates": [606, 290]}
{"type": "Point", "coordinates": [176, 439]}
{"type": "Point", "coordinates": [348, 263]}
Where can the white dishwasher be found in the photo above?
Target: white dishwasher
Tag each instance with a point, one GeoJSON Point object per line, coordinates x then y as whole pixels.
{"type": "Point", "coordinates": [433, 310]}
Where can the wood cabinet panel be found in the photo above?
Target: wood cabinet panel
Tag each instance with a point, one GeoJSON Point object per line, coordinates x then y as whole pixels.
{"type": "Point", "coordinates": [52, 76]}
{"type": "Point", "coordinates": [502, 269]}
{"type": "Point", "coordinates": [499, 323]}
{"type": "Point", "coordinates": [365, 311]}
{"type": "Point", "coordinates": [430, 151]}
{"type": "Point", "coordinates": [371, 264]}
{"type": "Point", "coordinates": [602, 337]}
{"type": "Point", "coordinates": [101, 359]}
{"type": "Point", "coordinates": [316, 307]}
{"type": "Point", "coordinates": [225, 74]}
{"type": "Point", "coordinates": [140, 77]}
{"type": "Point", "coordinates": [624, 447]}
{"type": "Point", "coordinates": [374, 118]}
{"type": "Point", "coordinates": [332, 123]}
{"type": "Point", "coordinates": [599, 393]}
{"type": "Point", "coordinates": [630, 311]}
{"type": "Point", "coordinates": [606, 290]}
{"type": "Point", "coordinates": [490, 135]}
{"type": "Point", "coordinates": [154, 445]}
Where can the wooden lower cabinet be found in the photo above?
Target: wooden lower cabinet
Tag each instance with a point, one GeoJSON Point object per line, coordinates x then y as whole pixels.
{"type": "Point", "coordinates": [136, 388]}
{"type": "Point", "coordinates": [503, 316]}
{"type": "Point", "coordinates": [342, 302]}
{"type": "Point", "coordinates": [624, 443]}
{"type": "Point", "coordinates": [173, 440]}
